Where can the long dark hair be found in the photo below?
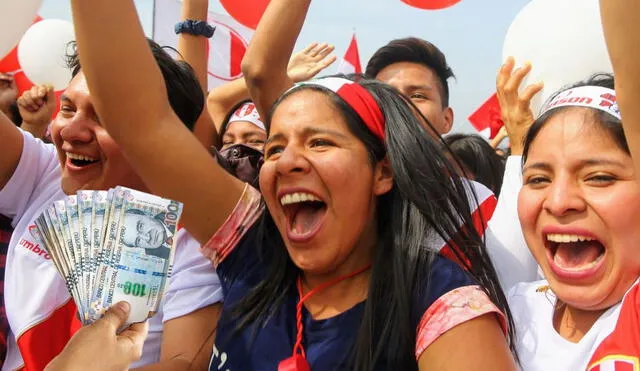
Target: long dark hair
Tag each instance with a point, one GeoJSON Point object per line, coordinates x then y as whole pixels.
{"type": "Point", "coordinates": [424, 202]}
{"type": "Point", "coordinates": [478, 158]}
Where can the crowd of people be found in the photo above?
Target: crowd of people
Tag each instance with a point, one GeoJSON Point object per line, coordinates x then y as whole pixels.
{"type": "Point", "coordinates": [330, 223]}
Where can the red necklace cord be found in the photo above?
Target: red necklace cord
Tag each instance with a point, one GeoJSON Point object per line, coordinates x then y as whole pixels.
{"type": "Point", "coordinates": [298, 348]}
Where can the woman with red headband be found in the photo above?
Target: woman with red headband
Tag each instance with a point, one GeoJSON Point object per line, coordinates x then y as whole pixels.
{"type": "Point", "coordinates": [334, 266]}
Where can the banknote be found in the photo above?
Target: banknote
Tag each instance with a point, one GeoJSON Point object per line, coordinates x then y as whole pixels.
{"type": "Point", "coordinates": [111, 246]}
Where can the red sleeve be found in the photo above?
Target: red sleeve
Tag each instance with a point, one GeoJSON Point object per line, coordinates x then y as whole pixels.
{"type": "Point", "coordinates": [453, 308]}
{"type": "Point", "coordinates": [246, 213]}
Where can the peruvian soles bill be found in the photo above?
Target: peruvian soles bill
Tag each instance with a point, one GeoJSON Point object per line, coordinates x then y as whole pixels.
{"type": "Point", "coordinates": [112, 246]}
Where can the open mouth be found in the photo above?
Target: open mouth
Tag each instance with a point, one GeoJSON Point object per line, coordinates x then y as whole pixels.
{"type": "Point", "coordinates": [80, 160]}
{"type": "Point", "coordinates": [574, 253]}
{"type": "Point", "coordinates": [304, 212]}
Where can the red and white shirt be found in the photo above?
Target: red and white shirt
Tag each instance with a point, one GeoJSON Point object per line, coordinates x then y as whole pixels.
{"type": "Point", "coordinates": [612, 343]}
{"type": "Point", "coordinates": [41, 314]}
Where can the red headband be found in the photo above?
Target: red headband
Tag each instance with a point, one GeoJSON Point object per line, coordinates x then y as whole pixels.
{"type": "Point", "coordinates": [358, 98]}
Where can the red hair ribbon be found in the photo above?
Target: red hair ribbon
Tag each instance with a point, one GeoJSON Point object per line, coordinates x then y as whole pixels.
{"type": "Point", "coordinates": [358, 98]}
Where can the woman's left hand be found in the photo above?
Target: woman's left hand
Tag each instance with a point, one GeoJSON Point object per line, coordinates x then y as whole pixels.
{"type": "Point", "coordinates": [100, 347]}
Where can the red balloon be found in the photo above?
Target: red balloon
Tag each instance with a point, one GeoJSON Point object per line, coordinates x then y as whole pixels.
{"type": "Point", "coordinates": [431, 4]}
{"type": "Point", "coordinates": [247, 12]}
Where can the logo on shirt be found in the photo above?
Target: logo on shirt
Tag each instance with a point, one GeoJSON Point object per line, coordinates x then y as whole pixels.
{"type": "Point", "coordinates": [616, 363]}
{"type": "Point", "coordinates": [34, 245]}
{"type": "Point", "coordinates": [218, 358]}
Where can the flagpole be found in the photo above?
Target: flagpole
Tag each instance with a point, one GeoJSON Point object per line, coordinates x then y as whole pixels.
{"type": "Point", "coordinates": [153, 21]}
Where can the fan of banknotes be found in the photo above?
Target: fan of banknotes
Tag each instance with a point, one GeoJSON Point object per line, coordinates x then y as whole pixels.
{"type": "Point", "coordinates": [111, 246]}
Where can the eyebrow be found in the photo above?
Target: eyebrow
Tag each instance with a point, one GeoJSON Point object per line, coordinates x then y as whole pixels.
{"type": "Point", "coordinates": [307, 132]}
{"type": "Point", "coordinates": [419, 87]}
{"type": "Point", "coordinates": [583, 163]}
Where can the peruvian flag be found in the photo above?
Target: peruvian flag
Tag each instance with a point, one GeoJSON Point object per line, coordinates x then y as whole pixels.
{"type": "Point", "coordinates": [351, 61]}
{"type": "Point", "coordinates": [487, 119]}
{"type": "Point", "coordinates": [226, 48]}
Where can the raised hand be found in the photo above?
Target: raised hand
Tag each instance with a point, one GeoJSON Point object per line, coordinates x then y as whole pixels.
{"type": "Point", "coordinates": [100, 347]}
{"type": "Point", "coordinates": [36, 108]}
{"type": "Point", "coordinates": [310, 61]}
{"type": "Point", "coordinates": [515, 107]}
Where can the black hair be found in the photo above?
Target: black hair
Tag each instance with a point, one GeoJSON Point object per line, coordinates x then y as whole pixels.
{"type": "Point", "coordinates": [415, 50]}
{"type": "Point", "coordinates": [604, 120]}
{"type": "Point", "coordinates": [421, 204]}
{"type": "Point", "coordinates": [183, 88]}
{"type": "Point", "coordinates": [225, 122]}
{"type": "Point", "coordinates": [478, 158]}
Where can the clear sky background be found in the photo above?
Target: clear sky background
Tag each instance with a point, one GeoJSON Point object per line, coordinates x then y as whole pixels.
{"type": "Point", "coordinates": [470, 34]}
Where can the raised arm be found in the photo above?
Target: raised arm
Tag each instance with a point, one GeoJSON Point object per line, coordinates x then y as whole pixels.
{"type": "Point", "coordinates": [265, 63]}
{"type": "Point", "coordinates": [192, 48]}
{"type": "Point", "coordinates": [621, 21]}
{"type": "Point", "coordinates": [135, 110]}
{"type": "Point", "coordinates": [303, 66]}
{"type": "Point", "coordinates": [194, 51]}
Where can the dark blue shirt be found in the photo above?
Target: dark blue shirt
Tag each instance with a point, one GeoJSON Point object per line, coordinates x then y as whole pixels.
{"type": "Point", "coordinates": [328, 343]}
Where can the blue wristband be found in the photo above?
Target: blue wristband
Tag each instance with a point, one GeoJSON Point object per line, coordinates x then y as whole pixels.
{"type": "Point", "coordinates": [196, 28]}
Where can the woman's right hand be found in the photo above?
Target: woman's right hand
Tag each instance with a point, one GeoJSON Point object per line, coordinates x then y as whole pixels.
{"type": "Point", "coordinates": [515, 107]}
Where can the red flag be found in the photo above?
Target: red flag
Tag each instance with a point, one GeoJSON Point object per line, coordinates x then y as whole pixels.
{"type": "Point", "coordinates": [487, 119]}
{"type": "Point", "coordinates": [351, 61]}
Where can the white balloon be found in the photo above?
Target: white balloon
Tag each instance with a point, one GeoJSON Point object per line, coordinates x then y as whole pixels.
{"type": "Point", "coordinates": [563, 40]}
{"type": "Point", "coordinates": [42, 52]}
{"type": "Point", "coordinates": [15, 17]}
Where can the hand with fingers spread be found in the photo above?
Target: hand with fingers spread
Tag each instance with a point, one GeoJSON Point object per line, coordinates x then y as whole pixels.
{"type": "Point", "coordinates": [99, 346]}
{"type": "Point", "coordinates": [515, 106]}
{"type": "Point", "coordinates": [8, 92]}
{"type": "Point", "coordinates": [310, 61]}
{"type": "Point", "coordinates": [36, 108]}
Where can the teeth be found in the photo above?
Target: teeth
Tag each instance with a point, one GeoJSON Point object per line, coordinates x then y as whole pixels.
{"type": "Point", "coordinates": [75, 156]}
{"type": "Point", "coordinates": [297, 197]}
{"type": "Point", "coordinates": [565, 238]}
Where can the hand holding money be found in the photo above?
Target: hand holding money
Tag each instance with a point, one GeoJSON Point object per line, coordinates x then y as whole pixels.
{"type": "Point", "coordinates": [100, 347]}
{"type": "Point", "coordinates": [112, 246]}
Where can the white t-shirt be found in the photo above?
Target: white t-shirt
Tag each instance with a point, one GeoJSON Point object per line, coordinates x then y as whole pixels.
{"type": "Point", "coordinates": [539, 345]}
{"type": "Point", "coordinates": [505, 242]}
{"type": "Point", "coordinates": [34, 291]}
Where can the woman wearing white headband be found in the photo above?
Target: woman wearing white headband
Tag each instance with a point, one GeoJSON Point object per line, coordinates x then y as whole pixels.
{"type": "Point", "coordinates": [243, 126]}
{"type": "Point", "coordinates": [580, 210]}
